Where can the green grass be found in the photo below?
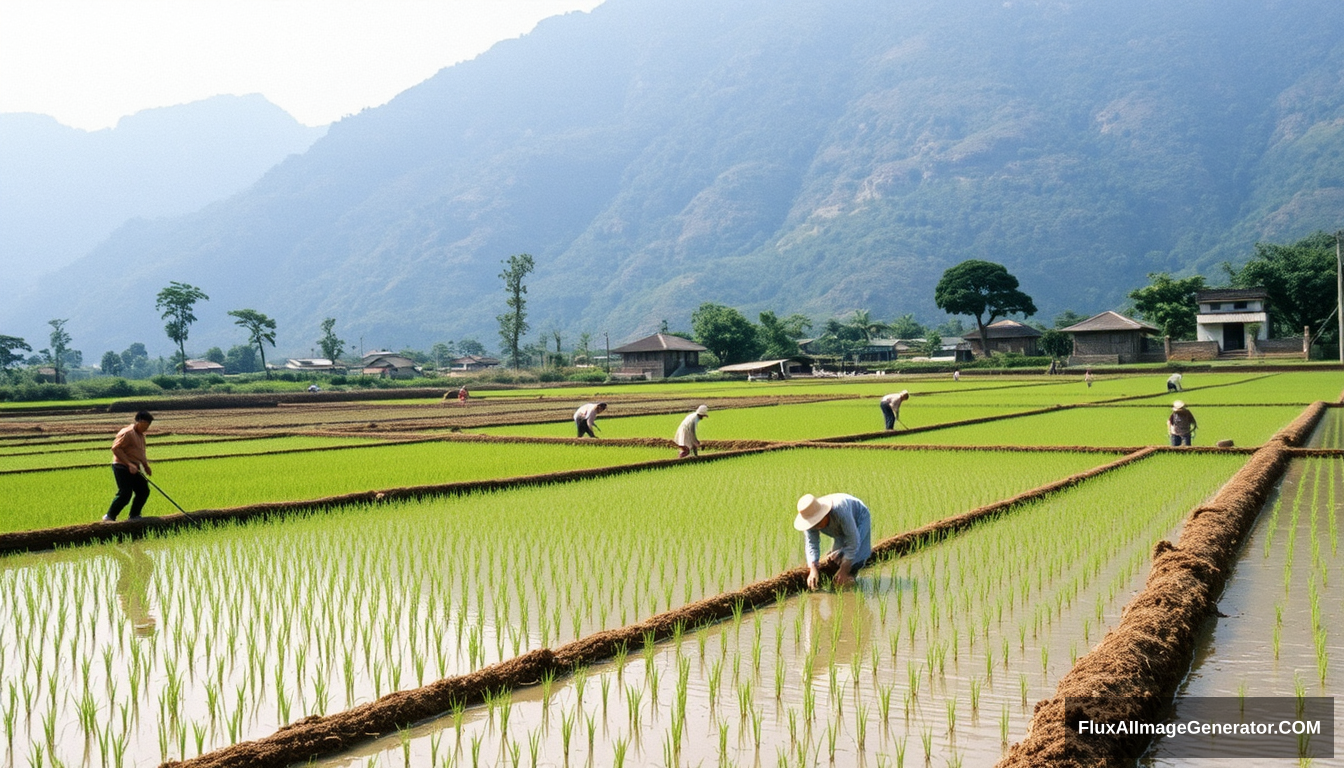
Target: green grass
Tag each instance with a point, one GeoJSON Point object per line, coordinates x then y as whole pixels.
{"type": "Point", "coordinates": [68, 496]}
{"type": "Point", "coordinates": [1288, 388]}
{"type": "Point", "coordinates": [780, 422]}
{"type": "Point", "coordinates": [169, 450]}
{"type": "Point", "coordinates": [1115, 426]}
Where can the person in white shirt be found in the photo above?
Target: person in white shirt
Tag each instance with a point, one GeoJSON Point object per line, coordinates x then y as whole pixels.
{"type": "Point", "coordinates": [891, 407]}
{"type": "Point", "coordinates": [686, 437]}
{"type": "Point", "coordinates": [1174, 382]}
{"type": "Point", "coordinates": [586, 417]}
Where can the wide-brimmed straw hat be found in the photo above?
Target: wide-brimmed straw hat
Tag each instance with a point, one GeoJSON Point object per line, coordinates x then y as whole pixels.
{"type": "Point", "coordinates": [702, 410]}
{"type": "Point", "coordinates": [1178, 405]}
{"type": "Point", "coordinates": [903, 394]}
{"type": "Point", "coordinates": [810, 512]}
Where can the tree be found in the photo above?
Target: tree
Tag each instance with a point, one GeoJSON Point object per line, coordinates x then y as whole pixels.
{"type": "Point", "coordinates": [1056, 343]}
{"type": "Point", "coordinates": [55, 355]}
{"type": "Point", "coordinates": [984, 290]}
{"type": "Point", "coordinates": [1068, 317]}
{"type": "Point", "coordinates": [844, 340]}
{"type": "Point", "coordinates": [513, 323]}
{"type": "Point", "coordinates": [332, 347]}
{"type": "Point", "coordinates": [906, 327]}
{"type": "Point", "coordinates": [866, 325]}
{"type": "Point", "coordinates": [176, 302]}
{"type": "Point", "coordinates": [135, 362]}
{"type": "Point", "coordinates": [111, 364]}
{"type": "Point", "coordinates": [1169, 303]}
{"type": "Point", "coordinates": [9, 347]}
{"type": "Point", "coordinates": [442, 354]}
{"type": "Point", "coordinates": [932, 346]}
{"type": "Point", "coordinates": [1299, 279]}
{"type": "Point", "coordinates": [725, 332]}
{"type": "Point", "coordinates": [241, 358]}
{"type": "Point", "coordinates": [260, 331]}
{"type": "Point", "coordinates": [471, 347]}
{"type": "Point", "coordinates": [774, 339]}
{"type": "Point", "coordinates": [215, 355]}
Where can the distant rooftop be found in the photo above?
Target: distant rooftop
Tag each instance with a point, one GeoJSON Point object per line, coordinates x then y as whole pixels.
{"type": "Point", "coordinates": [1110, 321]}
{"type": "Point", "coordinates": [659, 342]}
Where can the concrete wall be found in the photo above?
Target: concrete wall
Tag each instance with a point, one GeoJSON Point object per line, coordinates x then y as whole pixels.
{"type": "Point", "coordinates": [1186, 351]}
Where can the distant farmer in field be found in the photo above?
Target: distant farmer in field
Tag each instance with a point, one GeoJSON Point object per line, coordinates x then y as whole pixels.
{"type": "Point", "coordinates": [1087, 377]}
{"type": "Point", "coordinates": [1174, 382]}
{"type": "Point", "coordinates": [1181, 424]}
{"type": "Point", "coordinates": [585, 418]}
{"type": "Point", "coordinates": [891, 407]}
{"type": "Point", "coordinates": [462, 395]}
{"type": "Point", "coordinates": [686, 437]}
{"type": "Point", "coordinates": [128, 460]}
{"type": "Point", "coordinates": [846, 520]}
{"type": "Point", "coordinates": [956, 375]}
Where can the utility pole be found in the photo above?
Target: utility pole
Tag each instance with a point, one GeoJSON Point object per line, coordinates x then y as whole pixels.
{"type": "Point", "coordinates": [607, 338]}
{"type": "Point", "coordinates": [1339, 295]}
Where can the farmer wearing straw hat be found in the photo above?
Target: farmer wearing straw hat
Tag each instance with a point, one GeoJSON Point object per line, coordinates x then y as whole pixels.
{"type": "Point", "coordinates": [891, 407]}
{"type": "Point", "coordinates": [847, 521]}
{"type": "Point", "coordinates": [586, 417]}
{"type": "Point", "coordinates": [686, 437]}
{"type": "Point", "coordinates": [1181, 424]}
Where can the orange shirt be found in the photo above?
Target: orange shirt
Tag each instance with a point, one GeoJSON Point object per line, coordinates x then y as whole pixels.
{"type": "Point", "coordinates": [129, 444]}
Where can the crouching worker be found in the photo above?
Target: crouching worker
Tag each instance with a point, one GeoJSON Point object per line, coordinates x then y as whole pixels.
{"type": "Point", "coordinates": [846, 520]}
{"type": "Point", "coordinates": [686, 439]}
{"type": "Point", "coordinates": [586, 418]}
{"type": "Point", "coordinates": [128, 459]}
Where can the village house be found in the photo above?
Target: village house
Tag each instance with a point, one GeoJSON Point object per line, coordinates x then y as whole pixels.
{"type": "Point", "coordinates": [1110, 338]}
{"type": "Point", "coordinates": [1227, 315]}
{"type": "Point", "coordinates": [1005, 336]}
{"type": "Point", "coordinates": [659, 356]}
{"type": "Point", "coordinates": [389, 365]}
{"type": "Point", "coordinates": [312, 365]}
{"type": "Point", "coordinates": [469, 363]}
{"type": "Point", "coordinates": [202, 367]}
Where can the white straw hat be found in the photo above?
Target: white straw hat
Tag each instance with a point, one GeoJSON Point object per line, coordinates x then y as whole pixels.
{"type": "Point", "coordinates": [810, 512]}
{"type": "Point", "coordinates": [1178, 405]}
{"type": "Point", "coordinates": [702, 410]}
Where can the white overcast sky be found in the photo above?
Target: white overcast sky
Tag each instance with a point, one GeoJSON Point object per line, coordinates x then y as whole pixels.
{"type": "Point", "coordinates": [89, 62]}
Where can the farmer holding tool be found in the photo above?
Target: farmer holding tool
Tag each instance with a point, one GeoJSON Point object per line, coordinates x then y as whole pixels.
{"type": "Point", "coordinates": [686, 437]}
{"type": "Point", "coordinates": [1174, 382]}
{"type": "Point", "coordinates": [586, 417]}
{"type": "Point", "coordinates": [891, 407]}
{"type": "Point", "coordinates": [1181, 424]}
{"type": "Point", "coordinates": [846, 520]}
{"type": "Point", "coordinates": [128, 457]}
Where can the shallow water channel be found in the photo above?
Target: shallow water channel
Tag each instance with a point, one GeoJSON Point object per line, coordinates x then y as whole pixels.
{"type": "Point", "coordinates": [1283, 629]}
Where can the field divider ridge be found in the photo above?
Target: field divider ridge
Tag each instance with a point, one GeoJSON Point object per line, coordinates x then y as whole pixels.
{"type": "Point", "coordinates": [319, 735]}
{"type": "Point", "coordinates": [862, 436]}
{"type": "Point", "coordinates": [1137, 666]}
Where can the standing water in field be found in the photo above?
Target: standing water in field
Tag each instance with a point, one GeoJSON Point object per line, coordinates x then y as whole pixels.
{"type": "Point", "coordinates": [1282, 633]}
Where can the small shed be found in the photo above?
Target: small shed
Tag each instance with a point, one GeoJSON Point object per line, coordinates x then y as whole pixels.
{"type": "Point", "coordinates": [1224, 314]}
{"type": "Point", "coordinates": [766, 369]}
{"type": "Point", "coordinates": [311, 364]}
{"type": "Point", "coordinates": [469, 363]}
{"type": "Point", "coordinates": [202, 367]}
{"type": "Point", "coordinates": [1110, 338]}
{"type": "Point", "coordinates": [660, 356]}
{"type": "Point", "coordinates": [1005, 336]}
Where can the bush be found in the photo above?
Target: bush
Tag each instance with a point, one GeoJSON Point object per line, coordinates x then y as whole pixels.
{"type": "Point", "coordinates": [114, 387]}
{"type": "Point", "coordinates": [550, 374]}
{"type": "Point", "coordinates": [592, 376]}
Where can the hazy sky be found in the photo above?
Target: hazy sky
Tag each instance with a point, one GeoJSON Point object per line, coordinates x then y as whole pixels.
{"type": "Point", "coordinates": [89, 62]}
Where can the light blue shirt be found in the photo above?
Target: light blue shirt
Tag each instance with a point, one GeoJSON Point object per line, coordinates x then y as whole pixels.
{"type": "Point", "coordinates": [850, 526]}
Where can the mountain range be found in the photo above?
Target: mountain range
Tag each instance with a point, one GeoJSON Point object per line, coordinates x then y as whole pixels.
{"type": "Point", "coordinates": [814, 156]}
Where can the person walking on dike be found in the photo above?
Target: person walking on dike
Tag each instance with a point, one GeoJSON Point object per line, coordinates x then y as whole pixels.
{"type": "Point", "coordinates": [130, 467]}
{"type": "Point", "coordinates": [586, 417]}
{"type": "Point", "coordinates": [1181, 424]}
{"type": "Point", "coordinates": [1174, 382]}
{"type": "Point", "coordinates": [686, 438]}
{"type": "Point", "coordinates": [891, 407]}
{"type": "Point", "coordinates": [847, 521]}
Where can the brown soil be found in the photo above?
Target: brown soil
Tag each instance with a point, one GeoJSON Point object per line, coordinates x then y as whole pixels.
{"type": "Point", "coordinates": [319, 735]}
{"type": "Point", "coordinates": [1140, 662]}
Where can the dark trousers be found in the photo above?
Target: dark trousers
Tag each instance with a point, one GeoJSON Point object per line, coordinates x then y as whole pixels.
{"type": "Point", "coordinates": [584, 429]}
{"type": "Point", "coordinates": [889, 415]}
{"type": "Point", "coordinates": [1179, 440]}
{"type": "Point", "coordinates": [128, 486]}
{"type": "Point", "coordinates": [1171, 387]}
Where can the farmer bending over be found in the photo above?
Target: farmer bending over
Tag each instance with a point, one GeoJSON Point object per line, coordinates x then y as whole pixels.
{"type": "Point", "coordinates": [1174, 382]}
{"type": "Point", "coordinates": [128, 456]}
{"type": "Point", "coordinates": [586, 416]}
{"type": "Point", "coordinates": [891, 407]}
{"type": "Point", "coordinates": [686, 438]}
{"type": "Point", "coordinates": [846, 520]}
{"type": "Point", "coordinates": [1181, 424]}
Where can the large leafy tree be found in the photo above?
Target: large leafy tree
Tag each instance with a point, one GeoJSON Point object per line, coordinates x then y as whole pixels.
{"type": "Point", "coordinates": [726, 333]}
{"type": "Point", "coordinates": [907, 327]}
{"type": "Point", "coordinates": [10, 346]}
{"type": "Point", "coordinates": [865, 324]}
{"type": "Point", "coordinates": [983, 290]}
{"type": "Point", "coordinates": [57, 354]}
{"type": "Point", "coordinates": [1169, 303]}
{"type": "Point", "coordinates": [260, 331]}
{"type": "Point", "coordinates": [176, 303]}
{"type": "Point", "coordinates": [332, 347]}
{"type": "Point", "coordinates": [1056, 343]}
{"type": "Point", "coordinates": [513, 323]}
{"type": "Point", "coordinates": [111, 364]}
{"type": "Point", "coordinates": [1300, 281]}
{"type": "Point", "coordinates": [778, 338]}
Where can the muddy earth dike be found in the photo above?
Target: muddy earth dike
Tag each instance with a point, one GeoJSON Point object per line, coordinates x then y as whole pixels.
{"type": "Point", "coordinates": [1138, 665]}
{"type": "Point", "coordinates": [320, 735]}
